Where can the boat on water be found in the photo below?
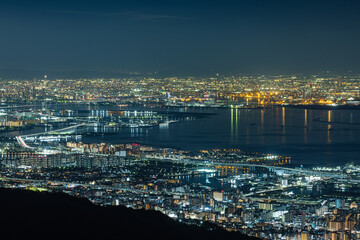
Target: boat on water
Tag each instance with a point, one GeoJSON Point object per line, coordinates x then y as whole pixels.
{"type": "Point", "coordinates": [164, 124]}
{"type": "Point", "coordinates": [139, 125]}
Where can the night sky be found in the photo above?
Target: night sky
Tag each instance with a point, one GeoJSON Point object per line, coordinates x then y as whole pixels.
{"type": "Point", "coordinates": [180, 37]}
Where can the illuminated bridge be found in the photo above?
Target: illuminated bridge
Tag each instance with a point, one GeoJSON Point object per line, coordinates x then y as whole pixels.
{"type": "Point", "coordinates": [253, 166]}
{"type": "Point", "coordinates": [68, 130]}
{"type": "Point", "coordinates": [57, 131]}
{"type": "Point", "coordinates": [20, 106]}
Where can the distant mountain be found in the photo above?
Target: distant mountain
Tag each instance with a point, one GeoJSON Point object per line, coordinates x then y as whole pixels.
{"type": "Point", "coordinates": [33, 215]}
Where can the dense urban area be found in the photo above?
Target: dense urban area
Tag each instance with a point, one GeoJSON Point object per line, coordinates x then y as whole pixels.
{"type": "Point", "coordinates": [217, 91]}
{"type": "Point", "coordinates": [42, 122]}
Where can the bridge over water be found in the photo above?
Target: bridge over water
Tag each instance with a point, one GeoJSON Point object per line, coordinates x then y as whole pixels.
{"type": "Point", "coordinates": [21, 139]}
{"type": "Point", "coordinates": [253, 166]}
{"type": "Point", "coordinates": [57, 131]}
{"type": "Point", "coordinates": [21, 106]}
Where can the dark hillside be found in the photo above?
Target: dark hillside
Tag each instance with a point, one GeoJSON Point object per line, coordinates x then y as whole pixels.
{"type": "Point", "coordinates": [32, 215]}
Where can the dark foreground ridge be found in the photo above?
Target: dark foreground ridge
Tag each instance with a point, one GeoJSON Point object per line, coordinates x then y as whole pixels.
{"type": "Point", "coordinates": [35, 215]}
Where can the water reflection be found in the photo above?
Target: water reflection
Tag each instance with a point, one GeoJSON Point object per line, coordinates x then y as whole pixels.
{"type": "Point", "coordinates": [236, 124]}
{"type": "Point", "coordinates": [232, 124]}
{"type": "Point", "coordinates": [207, 179]}
{"type": "Point", "coordinates": [306, 127]}
{"type": "Point", "coordinates": [283, 117]}
{"type": "Point", "coordinates": [283, 138]}
{"type": "Point", "coordinates": [305, 135]}
{"type": "Point", "coordinates": [329, 127]}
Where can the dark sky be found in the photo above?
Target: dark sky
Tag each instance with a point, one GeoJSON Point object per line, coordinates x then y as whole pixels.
{"type": "Point", "coordinates": [250, 36]}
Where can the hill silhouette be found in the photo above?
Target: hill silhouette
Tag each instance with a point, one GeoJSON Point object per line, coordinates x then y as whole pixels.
{"type": "Point", "coordinates": [35, 215]}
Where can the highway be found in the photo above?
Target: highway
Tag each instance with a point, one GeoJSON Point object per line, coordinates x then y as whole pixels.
{"type": "Point", "coordinates": [271, 168]}
{"type": "Point", "coordinates": [57, 131]}
{"type": "Point", "coordinates": [271, 190]}
{"type": "Point", "coordinates": [22, 143]}
{"type": "Point", "coordinates": [20, 106]}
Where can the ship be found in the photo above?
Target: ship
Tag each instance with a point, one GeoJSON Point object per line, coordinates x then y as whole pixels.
{"type": "Point", "coordinates": [165, 124]}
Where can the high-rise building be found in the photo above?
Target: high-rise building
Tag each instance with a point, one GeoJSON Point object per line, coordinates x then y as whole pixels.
{"type": "Point", "coordinates": [339, 203]}
{"type": "Point", "coordinates": [284, 182]}
{"type": "Point", "coordinates": [304, 235]}
{"type": "Point", "coordinates": [266, 206]}
{"type": "Point", "coordinates": [303, 220]}
{"type": "Point", "coordinates": [218, 196]}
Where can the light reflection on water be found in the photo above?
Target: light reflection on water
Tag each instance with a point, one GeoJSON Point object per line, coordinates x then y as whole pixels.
{"type": "Point", "coordinates": [206, 179]}
{"type": "Point", "coordinates": [326, 137]}
{"type": "Point", "coordinates": [294, 132]}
